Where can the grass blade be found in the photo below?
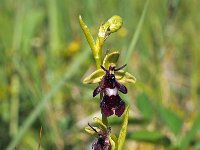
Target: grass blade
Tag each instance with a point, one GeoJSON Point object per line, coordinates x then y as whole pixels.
{"type": "Point", "coordinates": [145, 106]}
{"type": "Point", "coordinates": [171, 119]}
{"type": "Point", "coordinates": [39, 140]}
{"type": "Point", "coordinates": [54, 30]}
{"type": "Point", "coordinates": [190, 135]}
{"type": "Point", "coordinates": [137, 32]}
{"type": "Point", "coordinates": [149, 136]}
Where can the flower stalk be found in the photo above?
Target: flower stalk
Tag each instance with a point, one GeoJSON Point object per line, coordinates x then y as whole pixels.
{"type": "Point", "coordinates": [110, 81]}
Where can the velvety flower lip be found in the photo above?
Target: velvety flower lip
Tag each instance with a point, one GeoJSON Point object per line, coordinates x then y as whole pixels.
{"type": "Point", "coordinates": [112, 105]}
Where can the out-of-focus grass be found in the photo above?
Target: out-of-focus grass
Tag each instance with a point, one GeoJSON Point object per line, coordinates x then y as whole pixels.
{"type": "Point", "coordinates": [39, 43]}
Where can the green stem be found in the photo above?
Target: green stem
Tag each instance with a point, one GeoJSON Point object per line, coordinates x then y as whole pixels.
{"type": "Point", "coordinates": [104, 119]}
{"type": "Point", "coordinates": [99, 45]}
{"type": "Point", "coordinates": [98, 56]}
{"type": "Point", "coordinates": [15, 87]}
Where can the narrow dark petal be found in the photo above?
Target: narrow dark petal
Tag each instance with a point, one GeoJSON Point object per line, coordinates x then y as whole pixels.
{"type": "Point", "coordinates": [121, 87]}
{"type": "Point", "coordinates": [120, 108]}
{"type": "Point", "coordinates": [97, 91]}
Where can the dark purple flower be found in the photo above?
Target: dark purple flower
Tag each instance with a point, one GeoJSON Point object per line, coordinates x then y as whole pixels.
{"type": "Point", "coordinates": [111, 102]}
{"type": "Point", "coordinates": [112, 105]}
{"type": "Point", "coordinates": [103, 141]}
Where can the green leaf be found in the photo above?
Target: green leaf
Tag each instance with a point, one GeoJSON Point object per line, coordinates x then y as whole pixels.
{"type": "Point", "coordinates": [149, 136]}
{"type": "Point", "coordinates": [114, 139]}
{"type": "Point", "coordinates": [122, 134]}
{"type": "Point", "coordinates": [113, 146]}
{"type": "Point", "coordinates": [124, 77]}
{"type": "Point", "coordinates": [145, 106]}
{"type": "Point", "coordinates": [87, 34]}
{"type": "Point", "coordinates": [190, 135]}
{"type": "Point", "coordinates": [96, 50]}
{"type": "Point", "coordinates": [95, 77]}
{"type": "Point", "coordinates": [171, 119]}
{"type": "Point", "coordinates": [111, 58]}
{"type": "Point", "coordinates": [197, 146]}
{"type": "Point", "coordinates": [133, 121]}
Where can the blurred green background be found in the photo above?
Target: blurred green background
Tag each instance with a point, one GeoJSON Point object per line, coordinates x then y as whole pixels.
{"type": "Point", "coordinates": [44, 56]}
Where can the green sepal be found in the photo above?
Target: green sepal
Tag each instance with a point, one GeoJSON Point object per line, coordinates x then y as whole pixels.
{"type": "Point", "coordinates": [121, 76]}
{"type": "Point", "coordinates": [122, 134]}
{"type": "Point", "coordinates": [101, 124]}
{"type": "Point", "coordinates": [110, 58]}
{"type": "Point", "coordinates": [95, 77]}
{"type": "Point", "coordinates": [124, 77]}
